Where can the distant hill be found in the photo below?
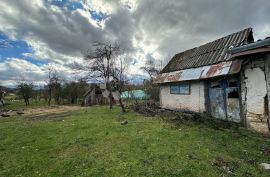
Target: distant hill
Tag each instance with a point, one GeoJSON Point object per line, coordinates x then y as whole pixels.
{"type": "Point", "coordinates": [8, 90]}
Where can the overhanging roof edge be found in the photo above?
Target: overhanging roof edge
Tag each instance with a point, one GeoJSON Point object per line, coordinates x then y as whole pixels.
{"type": "Point", "coordinates": [204, 72]}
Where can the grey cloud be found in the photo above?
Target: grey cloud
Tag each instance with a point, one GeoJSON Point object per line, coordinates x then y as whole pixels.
{"type": "Point", "coordinates": [16, 69]}
{"type": "Point", "coordinates": [173, 26]}
{"type": "Point", "coordinates": [121, 26]}
{"type": "Point", "coordinates": [179, 25]}
{"type": "Point", "coordinates": [66, 32]}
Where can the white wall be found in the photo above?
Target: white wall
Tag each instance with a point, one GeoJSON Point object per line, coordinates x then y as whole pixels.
{"type": "Point", "coordinates": [254, 94]}
{"type": "Point", "coordinates": [195, 101]}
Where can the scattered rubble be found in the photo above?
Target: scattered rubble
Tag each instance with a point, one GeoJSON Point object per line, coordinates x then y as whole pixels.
{"type": "Point", "coordinates": [125, 122]}
{"type": "Point", "coordinates": [265, 166]}
{"type": "Point", "coordinates": [10, 112]}
{"type": "Point", "coordinates": [147, 108]}
{"type": "Point", "coordinates": [20, 112]}
{"type": "Point", "coordinates": [227, 167]}
{"type": "Point", "coordinates": [5, 115]}
{"type": "Point", "coordinates": [152, 109]}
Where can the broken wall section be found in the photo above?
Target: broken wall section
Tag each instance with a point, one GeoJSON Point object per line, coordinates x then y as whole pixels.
{"type": "Point", "coordinates": [254, 94]}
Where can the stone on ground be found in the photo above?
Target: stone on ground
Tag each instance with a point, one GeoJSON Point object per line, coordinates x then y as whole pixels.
{"type": "Point", "coordinates": [124, 122]}
{"type": "Point", "coordinates": [265, 166]}
{"type": "Point", "coordinates": [5, 115]}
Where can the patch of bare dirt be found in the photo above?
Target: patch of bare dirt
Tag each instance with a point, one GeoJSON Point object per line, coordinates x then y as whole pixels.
{"type": "Point", "coordinates": [51, 112]}
{"type": "Point", "coordinates": [48, 112]}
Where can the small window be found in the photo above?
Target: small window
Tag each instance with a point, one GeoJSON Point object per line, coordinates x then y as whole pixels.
{"type": "Point", "coordinates": [232, 84]}
{"type": "Point", "coordinates": [183, 89]}
{"type": "Point", "coordinates": [232, 92]}
{"type": "Point", "coordinates": [175, 89]}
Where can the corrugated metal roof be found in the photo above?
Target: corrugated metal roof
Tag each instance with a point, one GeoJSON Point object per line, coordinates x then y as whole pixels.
{"type": "Point", "coordinates": [210, 53]}
{"type": "Point", "coordinates": [203, 72]}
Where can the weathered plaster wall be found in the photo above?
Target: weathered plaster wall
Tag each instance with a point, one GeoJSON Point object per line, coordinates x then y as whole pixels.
{"type": "Point", "coordinates": [195, 101]}
{"type": "Point", "coordinates": [254, 93]}
{"type": "Point", "coordinates": [267, 76]}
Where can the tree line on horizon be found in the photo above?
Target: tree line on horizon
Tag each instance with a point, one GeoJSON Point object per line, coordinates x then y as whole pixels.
{"type": "Point", "coordinates": [105, 63]}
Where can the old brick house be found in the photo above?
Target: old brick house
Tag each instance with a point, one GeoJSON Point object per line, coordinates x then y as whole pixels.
{"type": "Point", "coordinates": [228, 78]}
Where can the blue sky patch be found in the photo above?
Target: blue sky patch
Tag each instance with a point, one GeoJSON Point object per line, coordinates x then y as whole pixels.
{"type": "Point", "coordinates": [74, 5]}
{"type": "Point", "coordinates": [16, 49]}
{"type": "Point", "coordinates": [70, 5]}
{"type": "Point", "coordinates": [97, 16]}
{"type": "Point", "coordinates": [36, 62]}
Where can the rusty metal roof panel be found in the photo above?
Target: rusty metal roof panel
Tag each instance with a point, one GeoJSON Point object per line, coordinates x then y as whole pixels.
{"type": "Point", "coordinates": [208, 54]}
{"type": "Point", "coordinates": [219, 69]}
{"type": "Point", "coordinates": [203, 72]}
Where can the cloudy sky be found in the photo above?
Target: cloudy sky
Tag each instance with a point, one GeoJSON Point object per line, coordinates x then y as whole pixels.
{"type": "Point", "coordinates": [53, 33]}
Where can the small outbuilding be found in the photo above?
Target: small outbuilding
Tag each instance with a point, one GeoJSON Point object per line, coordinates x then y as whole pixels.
{"type": "Point", "coordinates": [229, 78]}
{"type": "Point", "coordinates": [97, 94]}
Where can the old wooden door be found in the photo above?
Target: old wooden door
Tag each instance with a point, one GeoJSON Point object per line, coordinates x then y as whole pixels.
{"type": "Point", "coordinates": [217, 101]}
{"type": "Point", "coordinates": [224, 99]}
{"type": "Point", "coordinates": [233, 102]}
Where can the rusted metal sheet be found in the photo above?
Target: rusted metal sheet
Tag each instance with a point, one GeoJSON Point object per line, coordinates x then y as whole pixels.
{"type": "Point", "coordinates": [235, 67]}
{"type": "Point", "coordinates": [204, 72]}
{"type": "Point", "coordinates": [216, 70]}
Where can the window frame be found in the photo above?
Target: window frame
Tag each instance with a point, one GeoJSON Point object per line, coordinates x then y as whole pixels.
{"type": "Point", "coordinates": [179, 92]}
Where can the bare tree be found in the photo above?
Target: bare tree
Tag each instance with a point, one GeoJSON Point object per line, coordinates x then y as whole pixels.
{"type": "Point", "coordinates": [25, 90]}
{"type": "Point", "coordinates": [2, 96]}
{"type": "Point", "coordinates": [53, 85]}
{"type": "Point", "coordinates": [72, 91]}
{"type": "Point", "coordinates": [49, 84]}
{"type": "Point", "coordinates": [152, 68]}
{"type": "Point", "coordinates": [151, 71]}
{"type": "Point", "coordinates": [119, 74]}
{"type": "Point", "coordinates": [101, 64]}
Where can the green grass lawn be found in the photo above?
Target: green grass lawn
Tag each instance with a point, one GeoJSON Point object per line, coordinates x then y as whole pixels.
{"type": "Point", "coordinates": [20, 104]}
{"type": "Point", "coordinates": [91, 142]}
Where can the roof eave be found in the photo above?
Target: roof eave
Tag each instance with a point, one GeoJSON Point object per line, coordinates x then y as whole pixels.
{"type": "Point", "coordinates": [199, 73]}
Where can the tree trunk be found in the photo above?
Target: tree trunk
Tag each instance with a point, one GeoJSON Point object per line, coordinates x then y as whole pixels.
{"type": "Point", "coordinates": [110, 93]}
{"type": "Point", "coordinates": [111, 99]}
{"type": "Point", "coordinates": [50, 96]}
{"type": "Point", "coordinates": [3, 102]}
{"type": "Point", "coordinates": [122, 105]}
{"type": "Point", "coordinates": [26, 100]}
